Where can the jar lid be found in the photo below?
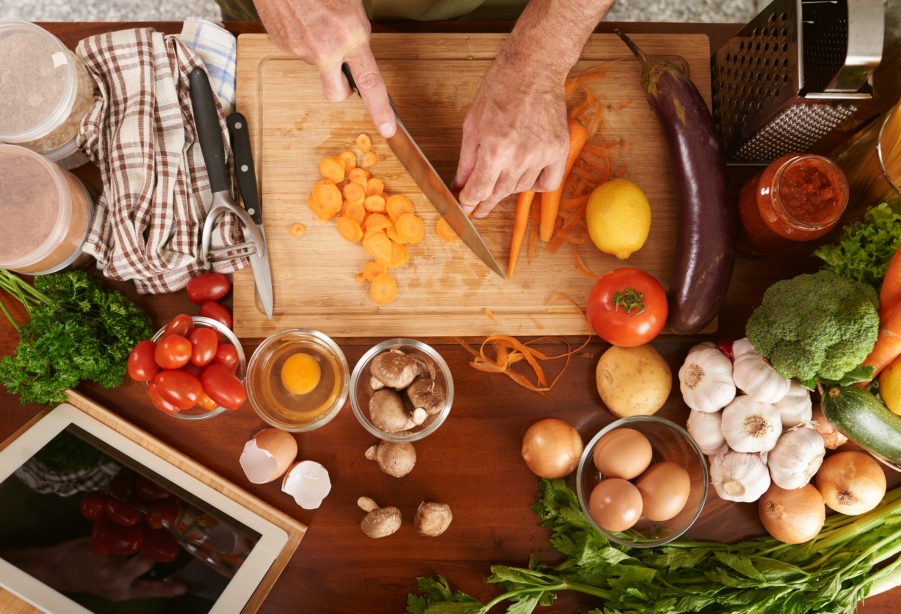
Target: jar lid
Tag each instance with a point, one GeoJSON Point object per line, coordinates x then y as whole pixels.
{"type": "Point", "coordinates": [35, 206]}
{"type": "Point", "coordinates": [38, 82]}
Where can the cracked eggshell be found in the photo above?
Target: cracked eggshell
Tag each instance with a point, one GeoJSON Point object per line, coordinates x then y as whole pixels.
{"type": "Point", "coordinates": [268, 455]}
{"type": "Point", "coordinates": [308, 483]}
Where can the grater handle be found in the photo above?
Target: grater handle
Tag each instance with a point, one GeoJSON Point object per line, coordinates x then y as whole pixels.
{"type": "Point", "coordinates": [866, 35]}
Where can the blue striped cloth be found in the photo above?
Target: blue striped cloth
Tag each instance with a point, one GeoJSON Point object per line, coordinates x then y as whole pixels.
{"type": "Point", "coordinates": [217, 47]}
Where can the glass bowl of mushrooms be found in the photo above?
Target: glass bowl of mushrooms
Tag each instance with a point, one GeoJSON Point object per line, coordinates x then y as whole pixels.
{"type": "Point", "coordinates": [401, 390]}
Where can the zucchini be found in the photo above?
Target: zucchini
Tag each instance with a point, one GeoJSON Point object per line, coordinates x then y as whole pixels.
{"type": "Point", "coordinates": [862, 418]}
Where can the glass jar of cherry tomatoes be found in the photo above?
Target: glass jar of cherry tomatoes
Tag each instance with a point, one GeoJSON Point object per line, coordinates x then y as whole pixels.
{"type": "Point", "coordinates": [798, 197]}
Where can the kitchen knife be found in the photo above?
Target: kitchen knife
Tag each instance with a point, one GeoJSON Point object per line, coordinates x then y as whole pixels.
{"type": "Point", "coordinates": [423, 173]}
{"type": "Point", "coordinates": [247, 182]}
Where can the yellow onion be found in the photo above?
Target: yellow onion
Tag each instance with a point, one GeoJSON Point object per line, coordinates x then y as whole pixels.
{"type": "Point", "coordinates": [851, 482]}
{"type": "Point", "coordinates": [551, 448]}
{"type": "Point", "coordinates": [792, 516]}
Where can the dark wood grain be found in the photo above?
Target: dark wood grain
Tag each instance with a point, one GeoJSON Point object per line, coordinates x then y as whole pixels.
{"type": "Point", "coordinates": [472, 462]}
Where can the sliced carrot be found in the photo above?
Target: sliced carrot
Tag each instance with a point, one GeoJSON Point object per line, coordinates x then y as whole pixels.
{"type": "Point", "coordinates": [374, 187]}
{"type": "Point", "coordinates": [620, 172]}
{"type": "Point", "coordinates": [493, 319]}
{"type": "Point", "coordinates": [410, 228]}
{"type": "Point", "coordinates": [445, 232]}
{"type": "Point", "coordinates": [354, 193]}
{"type": "Point", "coordinates": [359, 172]}
{"type": "Point", "coordinates": [398, 206]}
{"type": "Point", "coordinates": [369, 158]}
{"type": "Point", "coordinates": [374, 204]}
{"type": "Point", "coordinates": [379, 246]}
{"type": "Point", "coordinates": [360, 181]}
{"type": "Point", "coordinates": [349, 158]}
{"type": "Point", "coordinates": [399, 255]}
{"type": "Point", "coordinates": [888, 344]}
{"type": "Point", "coordinates": [377, 221]}
{"type": "Point", "coordinates": [392, 234]}
{"type": "Point", "coordinates": [328, 200]}
{"type": "Point", "coordinates": [383, 290]}
{"type": "Point", "coordinates": [372, 270]}
{"type": "Point", "coordinates": [581, 268]}
{"type": "Point", "coordinates": [890, 294]}
{"type": "Point", "coordinates": [520, 223]}
{"type": "Point", "coordinates": [550, 201]}
{"type": "Point", "coordinates": [297, 229]}
{"type": "Point", "coordinates": [357, 212]}
{"type": "Point", "coordinates": [332, 169]}
{"type": "Point", "coordinates": [349, 229]}
{"type": "Point", "coordinates": [364, 143]}
{"type": "Point", "coordinates": [359, 278]}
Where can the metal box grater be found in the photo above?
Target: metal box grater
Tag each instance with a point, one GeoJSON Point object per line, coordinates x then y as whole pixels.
{"type": "Point", "coordinates": [793, 74]}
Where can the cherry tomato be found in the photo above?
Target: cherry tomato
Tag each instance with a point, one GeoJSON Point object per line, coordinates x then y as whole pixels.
{"type": "Point", "coordinates": [123, 484]}
{"type": "Point", "coordinates": [179, 388]}
{"type": "Point", "coordinates": [159, 511]}
{"type": "Point", "coordinates": [160, 545]}
{"type": "Point", "coordinates": [114, 538]}
{"type": "Point", "coordinates": [204, 341]}
{"type": "Point", "coordinates": [214, 310]}
{"type": "Point", "coordinates": [173, 352]}
{"type": "Point", "coordinates": [227, 356]}
{"type": "Point", "coordinates": [223, 387]}
{"type": "Point", "coordinates": [156, 397]}
{"type": "Point", "coordinates": [93, 504]}
{"type": "Point", "coordinates": [149, 490]}
{"type": "Point", "coordinates": [181, 325]}
{"type": "Point", "coordinates": [142, 365]}
{"type": "Point", "coordinates": [122, 513]}
{"type": "Point", "coordinates": [205, 402]}
{"type": "Point", "coordinates": [208, 287]}
{"type": "Point", "coordinates": [193, 370]}
{"type": "Point", "coordinates": [627, 307]}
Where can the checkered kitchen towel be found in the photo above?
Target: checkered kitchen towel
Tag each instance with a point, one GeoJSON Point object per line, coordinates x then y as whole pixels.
{"type": "Point", "coordinates": [217, 47]}
{"type": "Point", "coordinates": [156, 193]}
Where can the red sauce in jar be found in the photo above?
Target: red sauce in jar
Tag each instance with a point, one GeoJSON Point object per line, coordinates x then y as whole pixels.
{"type": "Point", "coordinates": [799, 197]}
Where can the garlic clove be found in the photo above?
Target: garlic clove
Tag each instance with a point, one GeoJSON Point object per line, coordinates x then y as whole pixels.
{"type": "Point", "coordinates": [754, 375]}
{"type": "Point", "coordinates": [750, 426]}
{"type": "Point", "coordinates": [796, 458]}
{"type": "Point", "coordinates": [706, 429]}
{"type": "Point", "coordinates": [705, 380]}
{"type": "Point", "coordinates": [795, 407]}
{"type": "Point", "coordinates": [738, 476]}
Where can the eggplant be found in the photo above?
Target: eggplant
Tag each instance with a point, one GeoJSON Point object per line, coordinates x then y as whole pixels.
{"type": "Point", "coordinates": [705, 247]}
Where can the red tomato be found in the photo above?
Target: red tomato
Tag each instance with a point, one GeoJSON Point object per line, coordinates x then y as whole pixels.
{"type": "Point", "coordinates": [156, 397]}
{"type": "Point", "coordinates": [223, 387]}
{"type": "Point", "coordinates": [93, 504]}
{"type": "Point", "coordinates": [179, 388]}
{"type": "Point", "coordinates": [627, 307]}
{"type": "Point", "coordinates": [149, 490]}
{"type": "Point", "coordinates": [142, 365]}
{"type": "Point", "coordinates": [208, 287]}
{"type": "Point", "coordinates": [173, 352]}
{"type": "Point", "coordinates": [113, 538]}
{"type": "Point", "coordinates": [227, 356]}
{"type": "Point", "coordinates": [166, 510]}
{"type": "Point", "coordinates": [214, 310]}
{"type": "Point", "coordinates": [122, 513]}
{"type": "Point", "coordinates": [193, 370]}
{"type": "Point", "coordinates": [205, 402]}
{"type": "Point", "coordinates": [181, 325]}
{"type": "Point", "coordinates": [160, 545]}
{"type": "Point", "coordinates": [204, 341]}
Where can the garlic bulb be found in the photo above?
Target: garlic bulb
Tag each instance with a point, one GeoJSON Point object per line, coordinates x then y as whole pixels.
{"type": "Point", "coordinates": [705, 429]}
{"type": "Point", "coordinates": [796, 458]}
{"type": "Point", "coordinates": [754, 375]}
{"type": "Point", "coordinates": [741, 346]}
{"type": "Point", "coordinates": [706, 380]}
{"type": "Point", "coordinates": [795, 407]}
{"type": "Point", "coordinates": [704, 345]}
{"type": "Point", "coordinates": [751, 426]}
{"type": "Point", "coordinates": [737, 476]}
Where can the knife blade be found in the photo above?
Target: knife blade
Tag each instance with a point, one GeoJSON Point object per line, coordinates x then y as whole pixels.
{"type": "Point", "coordinates": [417, 164]}
{"type": "Point", "coordinates": [247, 182]}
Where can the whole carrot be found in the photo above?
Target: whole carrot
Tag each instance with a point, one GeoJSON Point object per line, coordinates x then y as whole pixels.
{"type": "Point", "coordinates": [550, 201]}
{"type": "Point", "coordinates": [520, 223]}
{"type": "Point", "coordinates": [888, 344]}
{"type": "Point", "coordinates": [890, 294]}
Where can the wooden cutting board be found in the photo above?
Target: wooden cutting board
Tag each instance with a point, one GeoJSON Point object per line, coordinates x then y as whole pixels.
{"type": "Point", "coordinates": [443, 289]}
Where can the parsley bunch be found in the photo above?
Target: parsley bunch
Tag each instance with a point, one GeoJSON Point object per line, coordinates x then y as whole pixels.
{"type": "Point", "coordinates": [78, 331]}
{"type": "Point", "coordinates": [830, 573]}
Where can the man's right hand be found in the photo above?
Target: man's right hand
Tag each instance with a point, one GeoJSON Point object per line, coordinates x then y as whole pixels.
{"type": "Point", "coordinates": [327, 34]}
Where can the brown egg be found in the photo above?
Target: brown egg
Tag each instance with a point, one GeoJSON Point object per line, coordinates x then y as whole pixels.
{"type": "Point", "coordinates": [615, 504]}
{"type": "Point", "coordinates": [622, 453]}
{"type": "Point", "coordinates": [664, 489]}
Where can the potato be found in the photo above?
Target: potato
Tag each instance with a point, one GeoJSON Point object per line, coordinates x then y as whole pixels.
{"type": "Point", "coordinates": [633, 381]}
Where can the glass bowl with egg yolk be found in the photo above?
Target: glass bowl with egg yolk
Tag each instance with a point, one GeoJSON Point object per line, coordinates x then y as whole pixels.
{"type": "Point", "coordinates": [297, 380]}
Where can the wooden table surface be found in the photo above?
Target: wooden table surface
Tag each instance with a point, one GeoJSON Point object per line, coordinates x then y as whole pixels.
{"type": "Point", "coordinates": [472, 462]}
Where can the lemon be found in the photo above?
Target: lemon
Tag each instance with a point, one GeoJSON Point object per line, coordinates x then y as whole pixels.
{"type": "Point", "coordinates": [890, 386]}
{"type": "Point", "coordinates": [619, 218]}
{"type": "Point", "coordinates": [301, 373]}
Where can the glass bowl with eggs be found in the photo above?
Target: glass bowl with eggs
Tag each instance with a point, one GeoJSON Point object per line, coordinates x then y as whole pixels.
{"type": "Point", "coordinates": [297, 380]}
{"type": "Point", "coordinates": [401, 390]}
{"type": "Point", "coordinates": [642, 481]}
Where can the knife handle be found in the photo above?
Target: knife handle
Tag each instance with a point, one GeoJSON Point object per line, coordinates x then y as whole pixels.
{"type": "Point", "coordinates": [206, 120]}
{"type": "Point", "coordinates": [350, 79]}
{"type": "Point", "coordinates": [247, 177]}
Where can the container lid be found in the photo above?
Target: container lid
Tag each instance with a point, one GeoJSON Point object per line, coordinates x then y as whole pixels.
{"type": "Point", "coordinates": [38, 82]}
{"type": "Point", "coordinates": [34, 206]}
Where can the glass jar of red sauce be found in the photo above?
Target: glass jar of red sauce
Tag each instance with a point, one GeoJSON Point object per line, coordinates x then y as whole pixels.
{"type": "Point", "coordinates": [798, 197]}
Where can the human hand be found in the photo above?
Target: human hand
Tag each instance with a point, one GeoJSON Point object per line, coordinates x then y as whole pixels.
{"type": "Point", "coordinates": [327, 34]}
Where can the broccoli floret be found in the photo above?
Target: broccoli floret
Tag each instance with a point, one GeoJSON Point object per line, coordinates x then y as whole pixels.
{"type": "Point", "coordinates": [815, 326]}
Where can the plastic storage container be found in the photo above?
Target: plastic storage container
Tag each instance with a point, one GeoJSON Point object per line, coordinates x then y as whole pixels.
{"type": "Point", "coordinates": [45, 92]}
{"type": "Point", "coordinates": [45, 212]}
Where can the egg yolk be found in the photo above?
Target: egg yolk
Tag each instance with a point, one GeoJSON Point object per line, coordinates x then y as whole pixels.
{"type": "Point", "coordinates": [301, 374]}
